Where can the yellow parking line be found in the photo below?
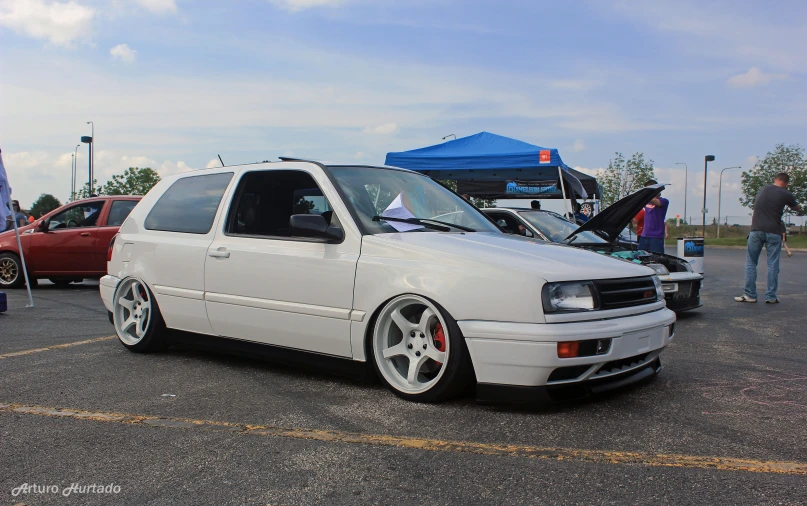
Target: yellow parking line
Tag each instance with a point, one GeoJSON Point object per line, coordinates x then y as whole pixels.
{"type": "Point", "coordinates": [560, 454]}
{"type": "Point", "coordinates": [55, 347]}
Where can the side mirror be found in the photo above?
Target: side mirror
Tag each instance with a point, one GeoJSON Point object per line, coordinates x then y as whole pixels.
{"type": "Point", "coordinates": [315, 226]}
{"type": "Point", "coordinates": [43, 226]}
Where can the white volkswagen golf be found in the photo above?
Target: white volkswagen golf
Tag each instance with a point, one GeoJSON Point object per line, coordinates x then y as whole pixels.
{"type": "Point", "coordinates": [355, 262]}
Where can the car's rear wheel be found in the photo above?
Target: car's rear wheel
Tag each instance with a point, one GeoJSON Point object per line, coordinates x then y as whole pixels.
{"type": "Point", "coordinates": [136, 317]}
{"type": "Point", "coordinates": [418, 350]}
{"type": "Point", "coordinates": [11, 275]}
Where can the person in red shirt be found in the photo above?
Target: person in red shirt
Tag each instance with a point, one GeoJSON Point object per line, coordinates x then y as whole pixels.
{"type": "Point", "coordinates": [638, 222]}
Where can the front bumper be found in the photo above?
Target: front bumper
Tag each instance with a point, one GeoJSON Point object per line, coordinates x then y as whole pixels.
{"type": "Point", "coordinates": [682, 291]}
{"type": "Point", "coordinates": [107, 286]}
{"type": "Point", "coordinates": [550, 394]}
{"type": "Point", "coordinates": [525, 355]}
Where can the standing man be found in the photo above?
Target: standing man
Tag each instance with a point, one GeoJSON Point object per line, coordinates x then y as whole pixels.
{"type": "Point", "coordinates": [766, 229]}
{"type": "Point", "coordinates": [655, 226]}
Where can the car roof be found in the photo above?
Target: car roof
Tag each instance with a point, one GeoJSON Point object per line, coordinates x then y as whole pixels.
{"type": "Point", "coordinates": [514, 209]}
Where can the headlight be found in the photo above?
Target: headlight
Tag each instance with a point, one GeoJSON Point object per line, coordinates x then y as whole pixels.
{"type": "Point", "coordinates": [659, 268]}
{"type": "Point", "coordinates": [659, 288]}
{"type": "Point", "coordinates": [574, 296]}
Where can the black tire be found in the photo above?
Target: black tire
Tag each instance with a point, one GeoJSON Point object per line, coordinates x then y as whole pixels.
{"type": "Point", "coordinates": [459, 369]}
{"type": "Point", "coordinates": [11, 275]}
{"type": "Point", "coordinates": [154, 338]}
{"type": "Point", "coordinates": [61, 282]}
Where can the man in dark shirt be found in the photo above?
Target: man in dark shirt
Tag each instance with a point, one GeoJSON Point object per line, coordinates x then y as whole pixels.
{"type": "Point", "coordinates": [766, 229]}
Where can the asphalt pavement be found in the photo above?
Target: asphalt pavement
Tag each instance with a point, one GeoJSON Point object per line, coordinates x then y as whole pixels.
{"type": "Point", "coordinates": [723, 423]}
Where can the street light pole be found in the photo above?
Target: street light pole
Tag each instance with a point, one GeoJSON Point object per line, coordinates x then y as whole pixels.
{"type": "Point", "coordinates": [686, 188]}
{"type": "Point", "coordinates": [450, 135]}
{"type": "Point", "coordinates": [72, 174]}
{"type": "Point", "coordinates": [720, 196]}
{"type": "Point", "coordinates": [92, 155]}
{"type": "Point", "coordinates": [706, 160]}
{"type": "Point", "coordinates": [75, 166]}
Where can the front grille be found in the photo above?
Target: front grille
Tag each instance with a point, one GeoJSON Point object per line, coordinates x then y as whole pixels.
{"type": "Point", "coordinates": [622, 364]}
{"type": "Point", "coordinates": [626, 292]}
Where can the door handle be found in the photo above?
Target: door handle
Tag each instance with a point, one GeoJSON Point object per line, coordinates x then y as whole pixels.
{"type": "Point", "coordinates": [85, 234]}
{"type": "Point", "coordinates": [218, 254]}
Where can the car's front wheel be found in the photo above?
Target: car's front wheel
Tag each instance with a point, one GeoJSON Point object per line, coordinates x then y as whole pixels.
{"type": "Point", "coordinates": [11, 275]}
{"type": "Point", "coordinates": [136, 317]}
{"type": "Point", "coordinates": [418, 350]}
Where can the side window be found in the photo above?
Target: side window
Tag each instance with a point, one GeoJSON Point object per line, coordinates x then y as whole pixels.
{"type": "Point", "coordinates": [78, 216]}
{"type": "Point", "coordinates": [510, 224]}
{"type": "Point", "coordinates": [189, 205]}
{"type": "Point", "coordinates": [119, 212]}
{"type": "Point", "coordinates": [265, 200]}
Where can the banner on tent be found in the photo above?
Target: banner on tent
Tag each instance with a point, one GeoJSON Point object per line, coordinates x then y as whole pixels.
{"type": "Point", "coordinates": [546, 189]}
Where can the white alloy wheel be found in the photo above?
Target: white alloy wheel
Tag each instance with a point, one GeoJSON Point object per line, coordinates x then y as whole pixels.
{"type": "Point", "coordinates": [133, 311]}
{"type": "Point", "coordinates": [411, 344]}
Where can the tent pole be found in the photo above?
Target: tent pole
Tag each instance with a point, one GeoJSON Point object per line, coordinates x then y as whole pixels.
{"type": "Point", "coordinates": [563, 190]}
{"type": "Point", "coordinates": [19, 246]}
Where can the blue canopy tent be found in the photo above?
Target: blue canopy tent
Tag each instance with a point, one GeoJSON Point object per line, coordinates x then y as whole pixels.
{"type": "Point", "coordinates": [523, 169]}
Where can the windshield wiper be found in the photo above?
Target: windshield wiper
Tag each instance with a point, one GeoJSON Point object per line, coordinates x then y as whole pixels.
{"type": "Point", "coordinates": [460, 227]}
{"type": "Point", "coordinates": [412, 221]}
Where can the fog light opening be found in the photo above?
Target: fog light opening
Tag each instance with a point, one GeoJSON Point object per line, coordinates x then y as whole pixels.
{"type": "Point", "coordinates": [568, 349]}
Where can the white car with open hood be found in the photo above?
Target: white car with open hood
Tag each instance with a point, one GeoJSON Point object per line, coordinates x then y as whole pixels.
{"type": "Point", "coordinates": [358, 263]}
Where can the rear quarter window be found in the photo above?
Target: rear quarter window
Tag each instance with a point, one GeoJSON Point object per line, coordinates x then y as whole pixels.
{"type": "Point", "coordinates": [189, 205]}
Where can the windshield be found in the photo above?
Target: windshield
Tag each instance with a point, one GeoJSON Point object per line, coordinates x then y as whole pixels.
{"type": "Point", "coordinates": [556, 229]}
{"type": "Point", "coordinates": [370, 191]}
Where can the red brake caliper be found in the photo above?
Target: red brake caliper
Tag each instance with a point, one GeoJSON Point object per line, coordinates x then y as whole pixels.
{"type": "Point", "coordinates": [439, 339]}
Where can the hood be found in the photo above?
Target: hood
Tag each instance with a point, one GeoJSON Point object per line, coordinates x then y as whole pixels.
{"type": "Point", "coordinates": [609, 223]}
{"type": "Point", "coordinates": [491, 251]}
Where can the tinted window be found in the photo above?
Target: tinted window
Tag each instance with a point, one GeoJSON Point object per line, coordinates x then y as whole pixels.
{"type": "Point", "coordinates": [119, 212]}
{"type": "Point", "coordinates": [266, 200]}
{"type": "Point", "coordinates": [510, 224]}
{"type": "Point", "coordinates": [82, 215]}
{"type": "Point", "coordinates": [189, 205]}
{"type": "Point", "coordinates": [556, 228]}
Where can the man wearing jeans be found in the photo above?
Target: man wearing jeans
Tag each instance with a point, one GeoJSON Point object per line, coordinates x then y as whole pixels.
{"type": "Point", "coordinates": [766, 229]}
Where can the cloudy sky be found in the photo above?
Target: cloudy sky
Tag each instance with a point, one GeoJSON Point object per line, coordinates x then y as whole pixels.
{"type": "Point", "coordinates": [172, 83]}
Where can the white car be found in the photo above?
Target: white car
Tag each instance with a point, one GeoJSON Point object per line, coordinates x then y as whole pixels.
{"type": "Point", "coordinates": [606, 234]}
{"type": "Point", "coordinates": [349, 262]}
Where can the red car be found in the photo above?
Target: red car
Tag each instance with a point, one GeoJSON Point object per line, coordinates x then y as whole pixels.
{"type": "Point", "coordinates": [66, 245]}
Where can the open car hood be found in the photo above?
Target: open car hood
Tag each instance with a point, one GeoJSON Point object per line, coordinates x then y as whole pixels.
{"type": "Point", "coordinates": [609, 223]}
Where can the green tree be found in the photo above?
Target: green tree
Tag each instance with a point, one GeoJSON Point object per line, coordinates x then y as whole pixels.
{"type": "Point", "coordinates": [623, 177]}
{"type": "Point", "coordinates": [44, 204]}
{"type": "Point", "coordinates": [84, 191]}
{"type": "Point", "coordinates": [789, 159]}
{"type": "Point", "coordinates": [135, 181]}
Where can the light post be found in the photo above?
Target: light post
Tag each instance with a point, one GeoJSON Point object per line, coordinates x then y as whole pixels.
{"type": "Point", "coordinates": [86, 139]}
{"type": "Point", "coordinates": [75, 165]}
{"type": "Point", "coordinates": [720, 196]}
{"type": "Point", "coordinates": [450, 135]}
{"type": "Point", "coordinates": [706, 160]}
{"type": "Point", "coordinates": [92, 155]}
{"type": "Point", "coordinates": [686, 172]}
{"type": "Point", "coordinates": [72, 175]}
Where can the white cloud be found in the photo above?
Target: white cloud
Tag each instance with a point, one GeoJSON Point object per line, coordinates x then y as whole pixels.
{"type": "Point", "coordinates": [385, 129]}
{"type": "Point", "coordinates": [124, 53]}
{"type": "Point", "coordinates": [299, 5]}
{"type": "Point", "coordinates": [168, 168]}
{"type": "Point", "coordinates": [575, 84]}
{"type": "Point", "coordinates": [579, 146]}
{"type": "Point", "coordinates": [753, 78]}
{"type": "Point", "coordinates": [214, 162]}
{"type": "Point", "coordinates": [61, 23]}
{"type": "Point", "coordinates": [159, 6]}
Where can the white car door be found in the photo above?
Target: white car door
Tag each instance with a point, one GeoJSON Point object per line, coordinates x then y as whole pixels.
{"type": "Point", "coordinates": [263, 285]}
